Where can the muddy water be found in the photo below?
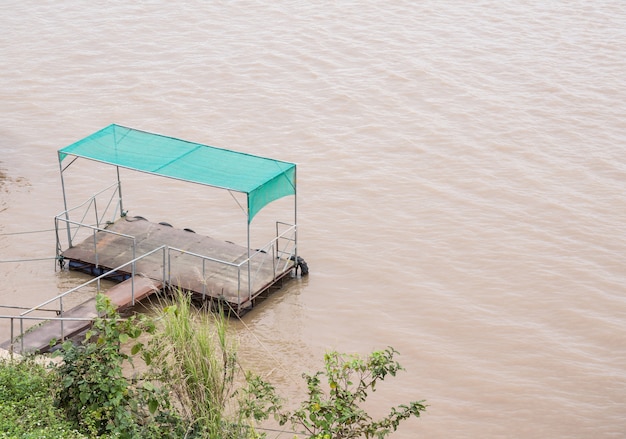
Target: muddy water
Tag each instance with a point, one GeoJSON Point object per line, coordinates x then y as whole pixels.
{"type": "Point", "coordinates": [461, 176]}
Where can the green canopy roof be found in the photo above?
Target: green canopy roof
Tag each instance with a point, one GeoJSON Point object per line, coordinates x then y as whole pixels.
{"type": "Point", "coordinates": [262, 179]}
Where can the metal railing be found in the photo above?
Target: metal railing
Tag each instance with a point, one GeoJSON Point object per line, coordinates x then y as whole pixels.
{"type": "Point", "coordinates": [94, 234]}
{"type": "Point", "coordinates": [89, 213]}
{"type": "Point", "coordinates": [42, 319]}
{"type": "Point", "coordinates": [282, 251]}
{"type": "Point", "coordinates": [63, 298]}
{"type": "Point", "coordinates": [289, 239]}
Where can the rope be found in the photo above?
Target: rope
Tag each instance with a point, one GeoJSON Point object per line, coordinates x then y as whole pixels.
{"type": "Point", "coordinates": [25, 233]}
{"type": "Point", "coordinates": [29, 260]}
{"type": "Point", "coordinates": [27, 308]}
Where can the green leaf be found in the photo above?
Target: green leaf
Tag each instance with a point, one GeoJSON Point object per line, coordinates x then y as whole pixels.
{"type": "Point", "coordinates": [153, 404]}
{"type": "Point", "coordinates": [147, 358]}
{"type": "Point", "coordinates": [136, 348]}
{"type": "Point", "coordinates": [84, 396]}
{"type": "Point", "coordinates": [67, 381]}
{"type": "Point", "coordinates": [123, 338]}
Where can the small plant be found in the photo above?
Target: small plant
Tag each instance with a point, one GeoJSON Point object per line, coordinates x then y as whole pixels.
{"type": "Point", "coordinates": [335, 413]}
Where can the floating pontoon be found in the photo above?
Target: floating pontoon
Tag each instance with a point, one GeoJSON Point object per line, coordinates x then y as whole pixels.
{"type": "Point", "coordinates": [126, 246]}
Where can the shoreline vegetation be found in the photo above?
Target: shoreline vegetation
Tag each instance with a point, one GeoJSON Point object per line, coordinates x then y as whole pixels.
{"type": "Point", "coordinates": [177, 375]}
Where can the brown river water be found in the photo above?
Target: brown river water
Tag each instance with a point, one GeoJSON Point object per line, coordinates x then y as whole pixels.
{"type": "Point", "coordinates": [461, 176]}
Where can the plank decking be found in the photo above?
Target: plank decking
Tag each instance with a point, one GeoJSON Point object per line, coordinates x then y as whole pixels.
{"type": "Point", "coordinates": [37, 339]}
{"type": "Point", "coordinates": [203, 277]}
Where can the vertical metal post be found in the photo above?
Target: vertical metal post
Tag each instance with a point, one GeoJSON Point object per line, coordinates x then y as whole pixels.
{"type": "Point", "coordinates": [203, 278]}
{"type": "Point", "coordinates": [62, 321]}
{"type": "Point", "coordinates": [132, 287]}
{"type": "Point", "coordinates": [238, 286]}
{"type": "Point", "coordinates": [274, 253]}
{"type": "Point", "coordinates": [95, 247]}
{"type": "Point", "coordinates": [58, 248]}
{"type": "Point", "coordinates": [117, 168]}
{"type": "Point", "coordinates": [132, 282]}
{"type": "Point", "coordinates": [165, 248]}
{"type": "Point", "coordinates": [12, 336]}
{"type": "Point", "coordinates": [169, 266]}
{"type": "Point", "coordinates": [22, 334]}
{"type": "Point", "coordinates": [249, 283]}
{"type": "Point", "coordinates": [119, 191]}
{"type": "Point", "coordinates": [67, 216]}
{"type": "Point", "coordinates": [295, 218]}
{"type": "Point", "coordinates": [95, 209]}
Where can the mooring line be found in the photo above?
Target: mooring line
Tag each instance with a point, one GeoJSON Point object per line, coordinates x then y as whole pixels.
{"type": "Point", "coordinates": [28, 260]}
{"type": "Point", "coordinates": [27, 232]}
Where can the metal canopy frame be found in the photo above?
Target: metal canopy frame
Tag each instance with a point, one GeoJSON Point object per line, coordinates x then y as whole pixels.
{"type": "Point", "coordinates": [80, 149]}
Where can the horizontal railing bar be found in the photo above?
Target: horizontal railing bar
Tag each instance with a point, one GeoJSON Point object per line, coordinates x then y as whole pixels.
{"type": "Point", "coordinates": [25, 307]}
{"type": "Point", "coordinates": [202, 256]}
{"type": "Point", "coordinates": [88, 200]}
{"type": "Point", "coordinates": [102, 276]}
{"type": "Point", "coordinates": [77, 319]}
{"type": "Point", "coordinates": [219, 261]}
{"type": "Point", "coordinates": [96, 228]}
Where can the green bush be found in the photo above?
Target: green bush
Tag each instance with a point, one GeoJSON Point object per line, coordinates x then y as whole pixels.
{"type": "Point", "coordinates": [189, 358]}
{"type": "Point", "coordinates": [190, 389]}
{"type": "Point", "coordinates": [95, 394]}
{"type": "Point", "coordinates": [27, 409]}
{"type": "Point", "coordinates": [333, 411]}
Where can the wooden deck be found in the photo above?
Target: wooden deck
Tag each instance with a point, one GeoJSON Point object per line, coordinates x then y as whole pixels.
{"type": "Point", "coordinates": [204, 277]}
{"type": "Point", "coordinates": [37, 339]}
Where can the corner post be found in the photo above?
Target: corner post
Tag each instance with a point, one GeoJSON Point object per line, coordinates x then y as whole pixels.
{"type": "Point", "coordinates": [67, 216]}
{"type": "Point", "coordinates": [119, 191]}
{"type": "Point", "coordinates": [295, 215]}
{"type": "Point", "coordinates": [249, 262]}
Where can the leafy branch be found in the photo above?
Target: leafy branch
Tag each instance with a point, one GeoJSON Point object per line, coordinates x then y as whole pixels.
{"type": "Point", "coordinates": [335, 412]}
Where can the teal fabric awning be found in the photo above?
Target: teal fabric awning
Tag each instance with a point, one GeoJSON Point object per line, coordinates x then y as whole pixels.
{"type": "Point", "coordinates": [262, 179]}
